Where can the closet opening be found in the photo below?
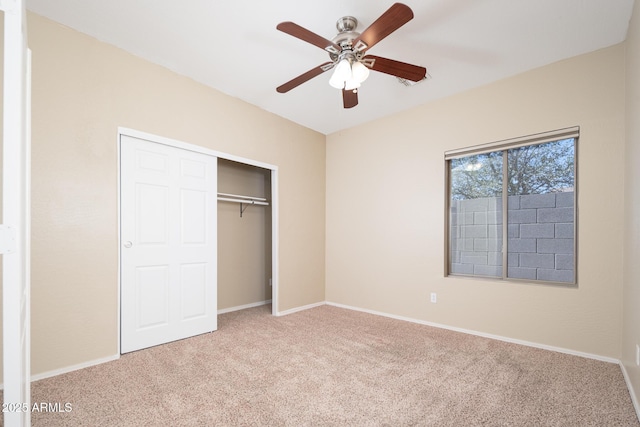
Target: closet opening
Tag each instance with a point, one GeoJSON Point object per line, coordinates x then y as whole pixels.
{"type": "Point", "coordinates": [245, 242]}
{"type": "Point", "coordinates": [246, 247]}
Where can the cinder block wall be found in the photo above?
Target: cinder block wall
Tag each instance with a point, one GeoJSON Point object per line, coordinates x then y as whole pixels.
{"type": "Point", "coordinates": [540, 233]}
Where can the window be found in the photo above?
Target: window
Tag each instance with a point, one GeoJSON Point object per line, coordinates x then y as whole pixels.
{"type": "Point", "coordinates": [511, 209]}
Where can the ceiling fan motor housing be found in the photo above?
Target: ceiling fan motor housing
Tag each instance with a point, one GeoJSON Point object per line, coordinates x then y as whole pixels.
{"type": "Point", "coordinates": [346, 32]}
{"type": "Point", "coordinates": [347, 23]}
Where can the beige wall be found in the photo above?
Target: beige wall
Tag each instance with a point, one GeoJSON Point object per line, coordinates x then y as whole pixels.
{"type": "Point", "coordinates": [385, 208]}
{"type": "Point", "coordinates": [244, 242]}
{"type": "Point", "coordinates": [82, 91]}
{"type": "Point", "coordinates": [631, 298]}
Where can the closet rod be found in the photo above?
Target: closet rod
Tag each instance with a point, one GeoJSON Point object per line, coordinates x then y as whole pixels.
{"type": "Point", "coordinates": [241, 197]}
{"type": "Point", "coordinates": [246, 202]}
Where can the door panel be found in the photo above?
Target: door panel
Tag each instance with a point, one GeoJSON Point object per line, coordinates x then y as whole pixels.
{"type": "Point", "coordinates": [152, 205]}
{"type": "Point", "coordinates": [192, 217]}
{"type": "Point", "coordinates": [194, 290]}
{"type": "Point", "coordinates": [168, 236]}
{"type": "Point", "coordinates": [152, 296]}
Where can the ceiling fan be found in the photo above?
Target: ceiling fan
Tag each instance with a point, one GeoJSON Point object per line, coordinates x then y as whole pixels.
{"type": "Point", "coordinates": [348, 49]}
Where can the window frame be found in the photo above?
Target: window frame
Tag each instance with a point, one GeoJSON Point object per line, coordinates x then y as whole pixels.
{"type": "Point", "coordinates": [504, 146]}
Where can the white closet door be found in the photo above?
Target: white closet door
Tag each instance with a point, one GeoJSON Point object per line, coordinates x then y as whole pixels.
{"type": "Point", "coordinates": [168, 243]}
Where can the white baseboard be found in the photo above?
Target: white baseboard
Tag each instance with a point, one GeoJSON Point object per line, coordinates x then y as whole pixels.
{"type": "Point", "coordinates": [72, 368]}
{"type": "Point", "coordinates": [242, 307]}
{"type": "Point", "coordinates": [634, 397]}
{"type": "Point", "coordinates": [481, 334]}
{"type": "Point", "coordinates": [302, 308]}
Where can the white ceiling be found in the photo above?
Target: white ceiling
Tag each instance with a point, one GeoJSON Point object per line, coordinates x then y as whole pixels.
{"type": "Point", "coordinates": [234, 47]}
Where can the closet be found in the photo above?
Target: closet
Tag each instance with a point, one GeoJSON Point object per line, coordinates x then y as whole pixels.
{"type": "Point", "coordinates": [244, 236]}
{"type": "Point", "coordinates": [181, 266]}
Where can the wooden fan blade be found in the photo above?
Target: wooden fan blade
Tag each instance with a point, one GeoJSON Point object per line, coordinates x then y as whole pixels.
{"type": "Point", "coordinates": [395, 17]}
{"type": "Point", "coordinates": [302, 33]}
{"type": "Point", "coordinates": [349, 98]}
{"type": "Point", "coordinates": [304, 77]}
{"type": "Point", "coordinates": [397, 68]}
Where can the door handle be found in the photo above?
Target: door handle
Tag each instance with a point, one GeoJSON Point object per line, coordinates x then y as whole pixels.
{"type": "Point", "coordinates": [128, 244]}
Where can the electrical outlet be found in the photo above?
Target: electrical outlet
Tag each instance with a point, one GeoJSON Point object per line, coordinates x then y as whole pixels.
{"type": "Point", "coordinates": [637, 355]}
{"type": "Point", "coordinates": [434, 297]}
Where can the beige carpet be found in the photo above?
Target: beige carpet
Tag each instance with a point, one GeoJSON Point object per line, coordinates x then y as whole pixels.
{"type": "Point", "coordinates": [334, 367]}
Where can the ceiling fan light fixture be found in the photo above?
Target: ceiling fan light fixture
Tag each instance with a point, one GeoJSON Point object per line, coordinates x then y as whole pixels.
{"type": "Point", "coordinates": [349, 74]}
{"type": "Point", "coordinates": [360, 71]}
{"type": "Point", "coordinates": [336, 82]}
{"type": "Point", "coordinates": [341, 74]}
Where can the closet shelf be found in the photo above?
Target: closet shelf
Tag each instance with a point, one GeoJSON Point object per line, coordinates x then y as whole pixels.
{"type": "Point", "coordinates": [243, 200]}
